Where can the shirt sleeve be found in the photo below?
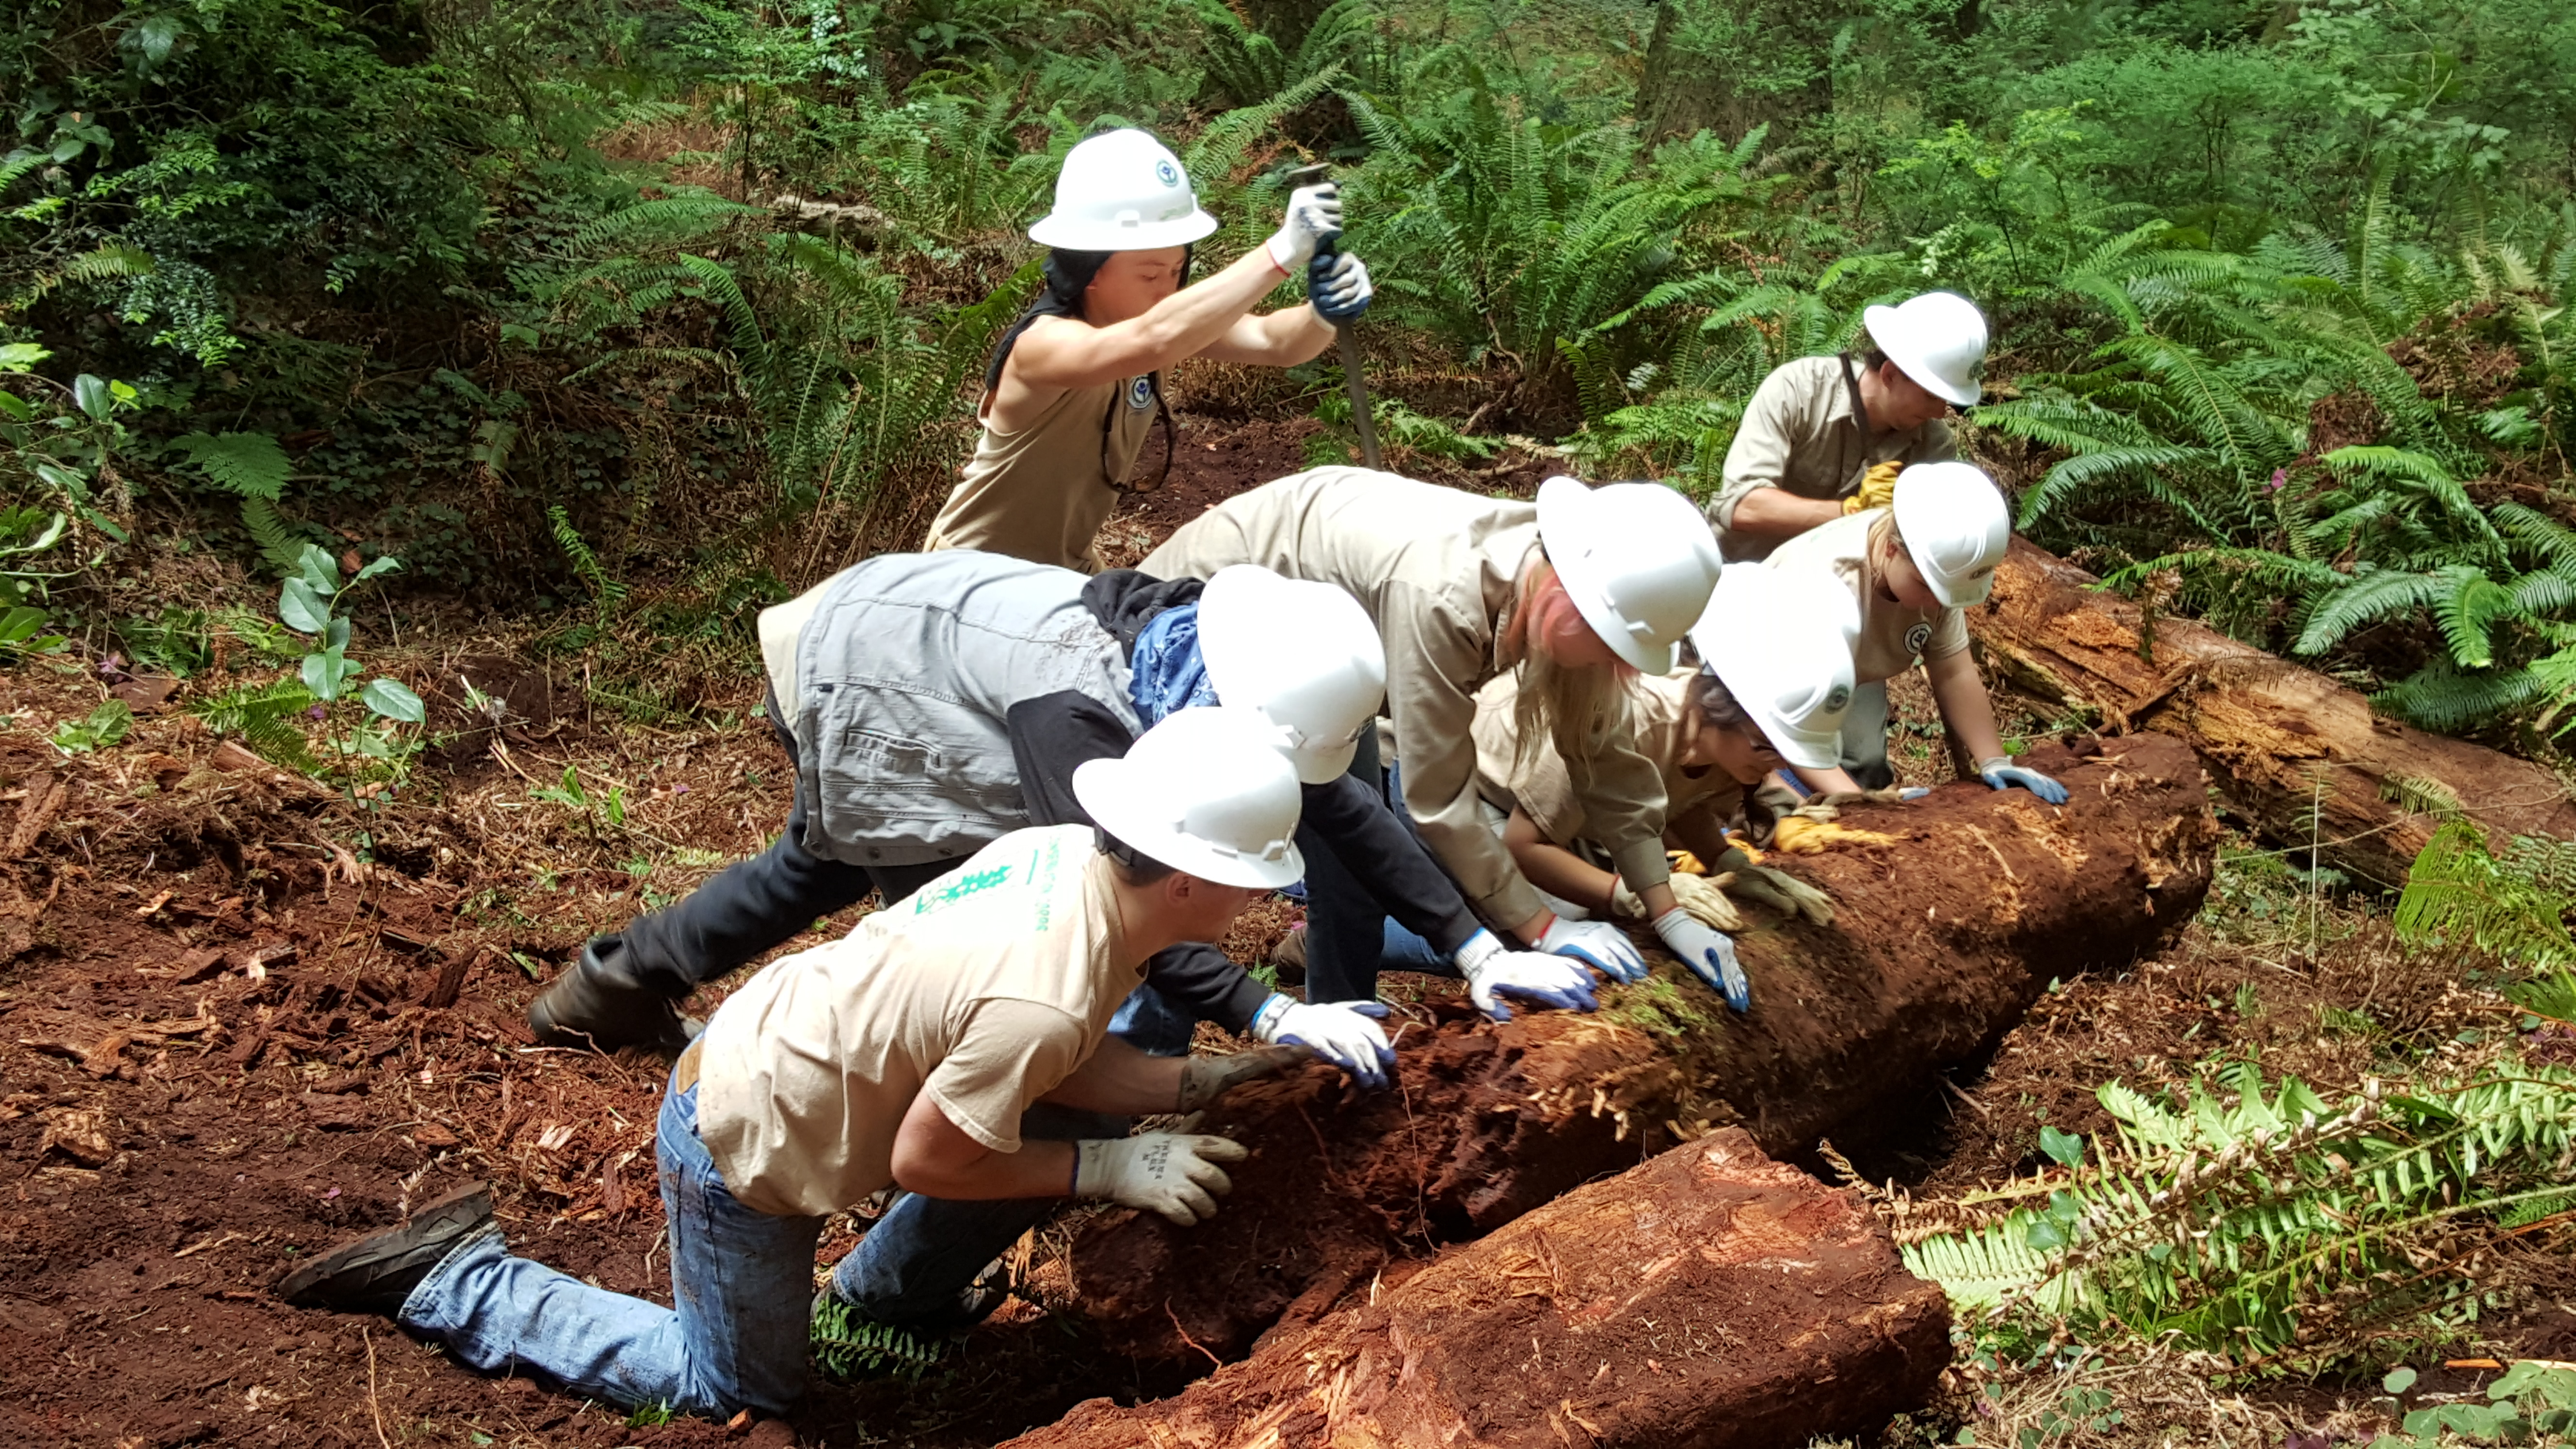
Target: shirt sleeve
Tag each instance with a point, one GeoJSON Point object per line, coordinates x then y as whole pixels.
{"type": "Point", "coordinates": [1430, 654]}
{"type": "Point", "coordinates": [1938, 445]}
{"type": "Point", "coordinates": [1949, 635]}
{"type": "Point", "coordinates": [1759, 456]}
{"type": "Point", "coordinates": [1398, 872]}
{"type": "Point", "coordinates": [1011, 1053]}
{"type": "Point", "coordinates": [1623, 801]}
{"type": "Point", "coordinates": [1206, 983]}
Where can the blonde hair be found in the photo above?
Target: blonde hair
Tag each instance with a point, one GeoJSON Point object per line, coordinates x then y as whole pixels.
{"type": "Point", "coordinates": [1572, 708]}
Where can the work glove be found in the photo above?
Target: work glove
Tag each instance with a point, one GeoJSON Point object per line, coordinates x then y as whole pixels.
{"type": "Point", "coordinates": [1764, 806]}
{"type": "Point", "coordinates": [1877, 488]}
{"type": "Point", "coordinates": [1204, 1079]}
{"type": "Point", "coordinates": [1709, 955]}
{"type": "Point", "coordinates": [1534, 977]}
{"type": "Point", "coordinates": [2003, 774]}
{"type": "Point", "coordinates": [1345, 1033]}
{"type": "Point", "coordinates": [1597, 944]}
{"type": "Point", "coordinates": [1172, 1173]}
{"type": "Point", "coordinates": [1314, 213]}
{"type": "Point", "coordinates": [1338, 287]}
{"type": "Point", "coordinates": [1698, 895]}
{"type": "Point", "coordinates": [1777, 889]}
{"type": "Point", "coordinates": [1835, 799]}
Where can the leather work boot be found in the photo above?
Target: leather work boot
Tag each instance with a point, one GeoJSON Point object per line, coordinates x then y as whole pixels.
{"type": "Point", "coordinates": [374, 1274]}
{"type": "Point", "coordinates": [599, 1004]}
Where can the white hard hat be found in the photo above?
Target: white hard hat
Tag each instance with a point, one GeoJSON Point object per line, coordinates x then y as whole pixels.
{"type": "Point", "coordinates": [1205, 792]}
{"type": "Point", "coordinates": [1122, 191]}
{"type": "Point", "coordinates": [1937, 339]}
{"type": "Point", "coordinates": [1956, 525]}
{"type": "Point", "coordinates": [1637, 559]}
{"type": "Point", "coordinates": [1305, 655]}
{"type": "Point", "coordinates": [1781, 642]}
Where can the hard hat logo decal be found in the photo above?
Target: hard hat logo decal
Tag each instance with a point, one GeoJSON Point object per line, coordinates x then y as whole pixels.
{"type": "Point", "coordinates": [1916, 638]}
{"type": "Point", "coordinates": [1840, 695]}
{"type": "Point", "coordinates": [1167, 173]}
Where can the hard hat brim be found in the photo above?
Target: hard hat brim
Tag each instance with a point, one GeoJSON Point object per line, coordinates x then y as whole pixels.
{"type": "Point", "coordinates": [1073, 234]}
{"type": "Point", "coordinates": [1110, 792]}
{"type": "Point", "coordinates": [1887, 332]}
{"type": "Point", "coordinates": [1564, 533]}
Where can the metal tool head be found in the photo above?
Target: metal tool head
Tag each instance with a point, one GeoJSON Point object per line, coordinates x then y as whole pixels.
{"type": "Point", "coordinates": [1310, 175]}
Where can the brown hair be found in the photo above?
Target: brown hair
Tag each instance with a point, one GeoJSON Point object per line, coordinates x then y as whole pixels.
{"type": "Point", "coordinates": [1135, 869]}
{"type": "Point", "coordinates": [1707, 696]}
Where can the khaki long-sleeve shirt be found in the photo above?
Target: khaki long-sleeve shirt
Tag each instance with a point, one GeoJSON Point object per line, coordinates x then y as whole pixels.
{"type": "Point", "coordinates": [1801, 433]}
{"type": "Point", "coordinates": [1435, 568]}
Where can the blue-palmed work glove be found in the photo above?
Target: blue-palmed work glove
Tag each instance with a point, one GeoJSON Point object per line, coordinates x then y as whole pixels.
{"type": "Point", "coordinates": [2003, 774]}
{"type": "Point", "coordinates": [1345, 1033]}
{"type": "Point", "coordinates": [1709, 955]}
{"type": "Point", "coordinates": [1533, 978]}
{"type": "Point", "coordinates": [1338, 286]}
{"type": "Point", "coordinates": [1597, 944]}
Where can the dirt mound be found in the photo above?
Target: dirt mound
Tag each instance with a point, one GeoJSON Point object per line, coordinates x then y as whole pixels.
{"type": "Point", "coordinates": [1707, 1298]}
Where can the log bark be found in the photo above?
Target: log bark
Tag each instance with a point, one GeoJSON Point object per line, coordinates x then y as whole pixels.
{"type": "Point", "coordinates": [1707, 1299]}
{"type": "Point", "coordinates": [2301, 758]}
{"type": "Point", "coordinates": [1942, 939]}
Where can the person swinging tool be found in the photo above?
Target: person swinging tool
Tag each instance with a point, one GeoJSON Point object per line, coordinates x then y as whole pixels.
{"type": "Point", "coordinates": [1824, 437]}
{"type": "Point", "coordinates": [1075, 386]}
{"type": "Point", "coordinates": [908, 1052]}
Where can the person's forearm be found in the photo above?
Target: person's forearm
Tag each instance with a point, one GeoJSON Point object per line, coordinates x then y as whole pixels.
{"type": "Point", "coordinates": [1779, 513]}
{"type": "Point", "coordinates": [1120, 1079]}
{"type": "Point", "coordinates": [1703, 835]}
{"type": "Point", "coordinates": [1964, 706]}
{"type": "Point", "coordinates": [1038, 1169]}
{"type": "Point", "coordinates": [1287, 337]}
{"type": "Point", "coordinates": [1836, 781]}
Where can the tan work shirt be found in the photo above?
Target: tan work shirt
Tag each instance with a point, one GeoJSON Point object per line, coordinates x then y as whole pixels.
{"type": "Point", "coordinates": [1801, 433]}
{"type": "Point", "coordinates": [1435, 568]}
{"type": "Point", "coordinates": [1893, 638]}
{"type": "Point", "coordinates": [985, 989]}
{"type": "Point", "coordinates": [1535, 783]}
{"type": "Point", "coordinates": [1041, 493]}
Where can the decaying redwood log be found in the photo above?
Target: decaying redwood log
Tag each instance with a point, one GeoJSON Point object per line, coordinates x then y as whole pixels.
{"type": "Point", "coordinates": [1942, 940]}
{"type": "Point", "coordinates": [1707, 1298]}
{"type": "Point", "coordinates": [2298, 755]}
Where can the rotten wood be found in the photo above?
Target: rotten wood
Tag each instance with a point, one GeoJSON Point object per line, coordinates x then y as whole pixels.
{"type": "Point", "coordinates": [2300, 757]}
{"type": "Point", "coordinates": [1707, 1299]}
{"type": "Point", "coordinates": [1942, 938]}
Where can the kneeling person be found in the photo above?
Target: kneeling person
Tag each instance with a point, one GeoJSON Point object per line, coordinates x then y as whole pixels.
{"type": "Point", "coordinates": [903, 1054]}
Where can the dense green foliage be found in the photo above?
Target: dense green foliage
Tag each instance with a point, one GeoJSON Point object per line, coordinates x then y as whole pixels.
{"type": "Point", "coordinates": [2278, 291]}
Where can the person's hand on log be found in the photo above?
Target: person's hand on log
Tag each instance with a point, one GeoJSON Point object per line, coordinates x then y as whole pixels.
{"type": "Point", "coordinates": [1345, 1033]}
{"type": "Point", "coordinates": [1709, 955]}
{"type": "Point", "coordinates": [1204, 1079]}
{"type": "Point", "coordinates": [1172, 1173]}
{"type": "Point", "coordinates": [1597, 944]}
{"type": "Point", "coordinates": [1705, 898]}
{"type": "Point", "coordinates": [1533, 978]}
{"type": "Point", "coordinates": [1835, 799]}
{"type": "Point", "coordinates": [2003, 774]}
{"type": "Point", "coordinates": [1784, 893]}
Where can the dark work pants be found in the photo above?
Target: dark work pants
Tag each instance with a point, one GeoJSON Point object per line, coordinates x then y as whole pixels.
{"type": "Point", "coordinates": [1345, 928]}
{"type": "Point", "coordinates": [756, 904]}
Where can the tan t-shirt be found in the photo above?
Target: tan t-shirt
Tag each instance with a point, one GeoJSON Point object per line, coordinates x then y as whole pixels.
{"type": "Point", "coordinates": [1536, 783]}
{"type": "Point", "coordinates": [1893, 638]}
{"type": "Point", "coordinates": [985, 989]}
{"type": "Point", "coordinates": [1435, 568]}
{"type": "Point", "coordinates": [1041, 493]}
{"type": "Point", "coordinates": [1800, 434]}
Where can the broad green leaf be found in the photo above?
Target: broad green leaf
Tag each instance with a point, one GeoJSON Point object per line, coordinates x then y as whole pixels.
{"type": "Point", "coordinates": [394, 701]}
{"type": "Point", "coordinates": [384, 565]}
{"type": "Point", "coordinates": [2066, 1149]}
{"type": "Point", "coordinates": [304, 611]}
{"type": "Point", "coordinates": [22, 356]}
{"type": "Point", "coordinates": [156, 35]}
{"type": "Point", "coordinates": [90, 391]}
{"type": "Point", "coordinates": [2399, 1380]}
{"type": "Point", "coordinates": [319, 569]}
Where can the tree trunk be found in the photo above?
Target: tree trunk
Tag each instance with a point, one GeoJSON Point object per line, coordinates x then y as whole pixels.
{"type": "Point", "coordinates": [1942, 938]}
{"type": "Point", "coordinates": [1687, 87]}
{"type": "Point", "coordinates": [1707, 1298]}
{"type": "Point", "coordinates": [2299, 756]}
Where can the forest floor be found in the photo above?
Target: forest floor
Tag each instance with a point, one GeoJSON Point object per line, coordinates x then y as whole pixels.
{"type": "Point", "coordinates": [243, 1016]}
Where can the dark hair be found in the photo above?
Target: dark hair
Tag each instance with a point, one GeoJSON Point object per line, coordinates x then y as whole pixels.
{"type": "Point", "coordinates": [1069, 275]}
{"type": "Point", "coordinates": [1135, 868]}
{"type": "Point", "coordinates": [1871, 359]}
{"type": "Point", "coordinates": [1715, 703]}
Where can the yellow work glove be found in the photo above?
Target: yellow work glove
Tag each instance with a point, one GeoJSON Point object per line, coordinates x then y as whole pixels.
{"type": "Point", "coordinates": [1801, 835]}
{"type": "Point", "coordinates": [1877, 487]}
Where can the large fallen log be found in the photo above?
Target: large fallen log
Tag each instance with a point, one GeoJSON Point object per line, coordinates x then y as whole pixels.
{"type": "Point", "coordinates": [2299, 756]}
{"type": "Point", "coordinates": [1943, 938]}
{"type": "Point", "coordinates": [1707, 1298]}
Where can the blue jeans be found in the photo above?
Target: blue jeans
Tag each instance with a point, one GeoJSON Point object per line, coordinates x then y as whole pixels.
{"type": "Point", "coordinates": [735, 1337]}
